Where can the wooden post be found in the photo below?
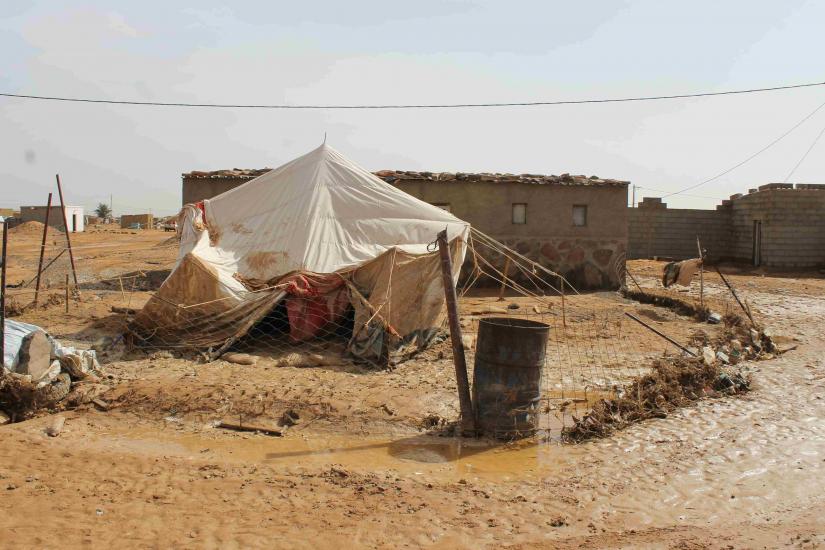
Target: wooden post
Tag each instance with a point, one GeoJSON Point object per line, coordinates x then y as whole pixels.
{"type": "Point", "coordinates": [504, 281]}
{"type": "Point", "coordinates": [701, 274]}
{"type": "Point", "coordinates": [66, 227]}
{"type": "Point", "coordinates": [3, 298]}
{"type": "Point", "coordinates": [67, 293]}
{"type": "Point", "coordinates": [42, 248]}
{"type": "Point", "coordinates": [468, 419]}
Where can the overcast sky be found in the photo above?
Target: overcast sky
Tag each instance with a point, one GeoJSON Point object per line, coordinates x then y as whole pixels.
{"type": "Point", "coordinates": [405, 52]}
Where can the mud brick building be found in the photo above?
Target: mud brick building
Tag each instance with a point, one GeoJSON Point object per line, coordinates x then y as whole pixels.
{"type": "Point", "coordinates": [776, 225]}
{"type": "Point", "coordinates": [574, 225]}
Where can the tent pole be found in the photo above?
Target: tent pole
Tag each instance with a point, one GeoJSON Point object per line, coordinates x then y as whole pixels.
{"type": "Point", "coordinates": [468, 419]}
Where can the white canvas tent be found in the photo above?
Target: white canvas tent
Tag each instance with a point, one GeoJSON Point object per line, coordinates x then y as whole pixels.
{"type": "Point", "coordinates": [319, 232]}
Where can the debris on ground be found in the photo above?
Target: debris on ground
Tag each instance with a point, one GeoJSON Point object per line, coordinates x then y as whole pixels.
{"type": "Point", "coordinates": [56, 426]}
{"type": "Point", "coordinates": [240, 358]}
{"type": "Point", "coordinates": [244, 427]}
{"type": "Point", "coordinates": [289, 418]}
{"type": "Point", "coordinates": [674, 382]}
{"type": "Point", "coordinates": [38, 372]}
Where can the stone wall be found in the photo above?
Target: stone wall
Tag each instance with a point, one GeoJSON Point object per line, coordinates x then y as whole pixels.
{"type": "Point", "coordinates": [588, 264]}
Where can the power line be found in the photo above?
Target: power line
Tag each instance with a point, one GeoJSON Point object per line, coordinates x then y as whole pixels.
{"type": "Point", "coordinates": [683, 194]}
{"type": "Point", "coordinates": [750, 158]}
{"type": "Point", "coordinates": [816, 139]}
{"type": "Point", "coordinates": [415, 106]}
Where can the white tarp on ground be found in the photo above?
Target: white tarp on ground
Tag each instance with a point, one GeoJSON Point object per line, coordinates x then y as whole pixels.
{"type": "Point", "coordinates": [78, 362]}
{"type": "Point", "coordinates": [319, 213]}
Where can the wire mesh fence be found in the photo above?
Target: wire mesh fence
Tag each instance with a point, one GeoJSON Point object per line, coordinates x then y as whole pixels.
{"type": "Point", "coordinates": [592, 349]}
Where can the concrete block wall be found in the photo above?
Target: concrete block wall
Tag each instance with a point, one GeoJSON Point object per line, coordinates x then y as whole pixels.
{"type": "Point", "coordinates": [655, 230]}
{"type": "Point", "coordinates": [793, 226]}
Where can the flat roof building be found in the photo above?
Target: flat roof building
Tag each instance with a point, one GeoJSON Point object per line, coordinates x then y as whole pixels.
{"type": "Point", "coordinates": [74, 217]}
{"type": "Point", "coordinates": [574, 225]}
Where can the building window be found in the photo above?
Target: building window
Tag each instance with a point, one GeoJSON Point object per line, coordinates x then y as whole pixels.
{"type": "Point", "coordinates": [579, 215]}
{"type": "Point", "coordinates": [443, 205]}
{"type": "Point", "coordinates": [519, 213]}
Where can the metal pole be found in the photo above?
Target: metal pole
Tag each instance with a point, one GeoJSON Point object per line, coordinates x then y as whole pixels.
{"type": "Point", "coordinates": [67, 293]}
{"type": "Point", "coordinates": [468, 418]}
{"type": "Point", "coordinates": [666, 337]}
{"type": "Point", "coordinates": [633, 200]}
{"type": "Point", "coordinates": [738, 301]}
{"type": "Point", "coordinates": [42, 248]}
{"type": "Point", "coordinates": [66, 227]}
{"type": "Point", "coordinates": [632, 278]}
{"type": "Point", "coordinates": [3, 298]}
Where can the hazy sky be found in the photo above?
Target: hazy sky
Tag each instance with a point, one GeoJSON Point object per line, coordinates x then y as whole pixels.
{"type": "Point", "coordinates": [405, 52]}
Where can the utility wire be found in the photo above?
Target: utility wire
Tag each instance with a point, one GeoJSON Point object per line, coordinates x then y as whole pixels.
{"type": "Point", "coordinates": [415, 106]}
{"type": "Point", "coordinates": [683, 194]}
{"type": "Point", "coordinates": [819, 135]}
{"type": "Point", "coordinates": [750, 158]}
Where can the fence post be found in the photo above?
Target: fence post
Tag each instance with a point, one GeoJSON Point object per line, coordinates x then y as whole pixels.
{"type": "Point", "coordinates": [66, 227]}
{"type": "Point", "coordinates": [3, 298]}
{"type": "Point", "coordinates": [468, 418]}
{"type": "Point", "coordinates": [42, 249]}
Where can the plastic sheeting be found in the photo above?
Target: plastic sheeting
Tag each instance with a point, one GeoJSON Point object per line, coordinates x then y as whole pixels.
{"type": "Point", "coordinates": [79, 363]}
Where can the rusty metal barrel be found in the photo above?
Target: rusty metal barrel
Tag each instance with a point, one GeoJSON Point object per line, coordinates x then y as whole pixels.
{"type": "Point", "coordinates": [507, 376]}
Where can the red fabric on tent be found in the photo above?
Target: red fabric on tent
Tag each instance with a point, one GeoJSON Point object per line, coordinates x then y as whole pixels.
{"type": "Point", "coordinates": [314, 302]}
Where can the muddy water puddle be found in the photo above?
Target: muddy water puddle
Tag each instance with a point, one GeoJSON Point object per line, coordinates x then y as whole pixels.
{"type": "Point", "coordinates": [446, 458]}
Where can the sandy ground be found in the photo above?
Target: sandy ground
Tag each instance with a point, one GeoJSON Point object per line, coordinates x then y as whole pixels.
{"type": "Point", "coordinates": [360, 470]}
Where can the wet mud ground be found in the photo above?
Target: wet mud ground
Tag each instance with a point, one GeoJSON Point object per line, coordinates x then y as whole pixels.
{"type": "Point", "coordinates": [358, 469]}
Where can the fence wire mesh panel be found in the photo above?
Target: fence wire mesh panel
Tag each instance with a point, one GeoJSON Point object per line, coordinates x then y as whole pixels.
{"type": "Point", "coordinates": [390, 320]}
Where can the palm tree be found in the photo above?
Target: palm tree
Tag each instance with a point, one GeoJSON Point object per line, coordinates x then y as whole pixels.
{"type": "Point", "coordinates": [103, 211]}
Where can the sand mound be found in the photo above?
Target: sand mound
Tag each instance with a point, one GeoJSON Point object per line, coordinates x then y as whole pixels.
{"type": "Point", "coordinates": [31, 228]}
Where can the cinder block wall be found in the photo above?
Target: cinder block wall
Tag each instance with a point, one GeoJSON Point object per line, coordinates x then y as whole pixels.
{"type": "Point", "coordinates": [655, 230]}
{"type": "Point", "coordinates": [793, 225]}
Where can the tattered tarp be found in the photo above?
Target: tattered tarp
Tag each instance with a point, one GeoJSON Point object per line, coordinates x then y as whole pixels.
{"type": "Point", "coordinates": [680, 273]}
{"type": "Point", "coordinates": [321, 233]}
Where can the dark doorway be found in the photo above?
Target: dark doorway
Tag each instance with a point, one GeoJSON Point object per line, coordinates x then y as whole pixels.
{"type": "Point", "coordinates": [74, 223]}
{"type": "Point", "coordinates": [757, 243]}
